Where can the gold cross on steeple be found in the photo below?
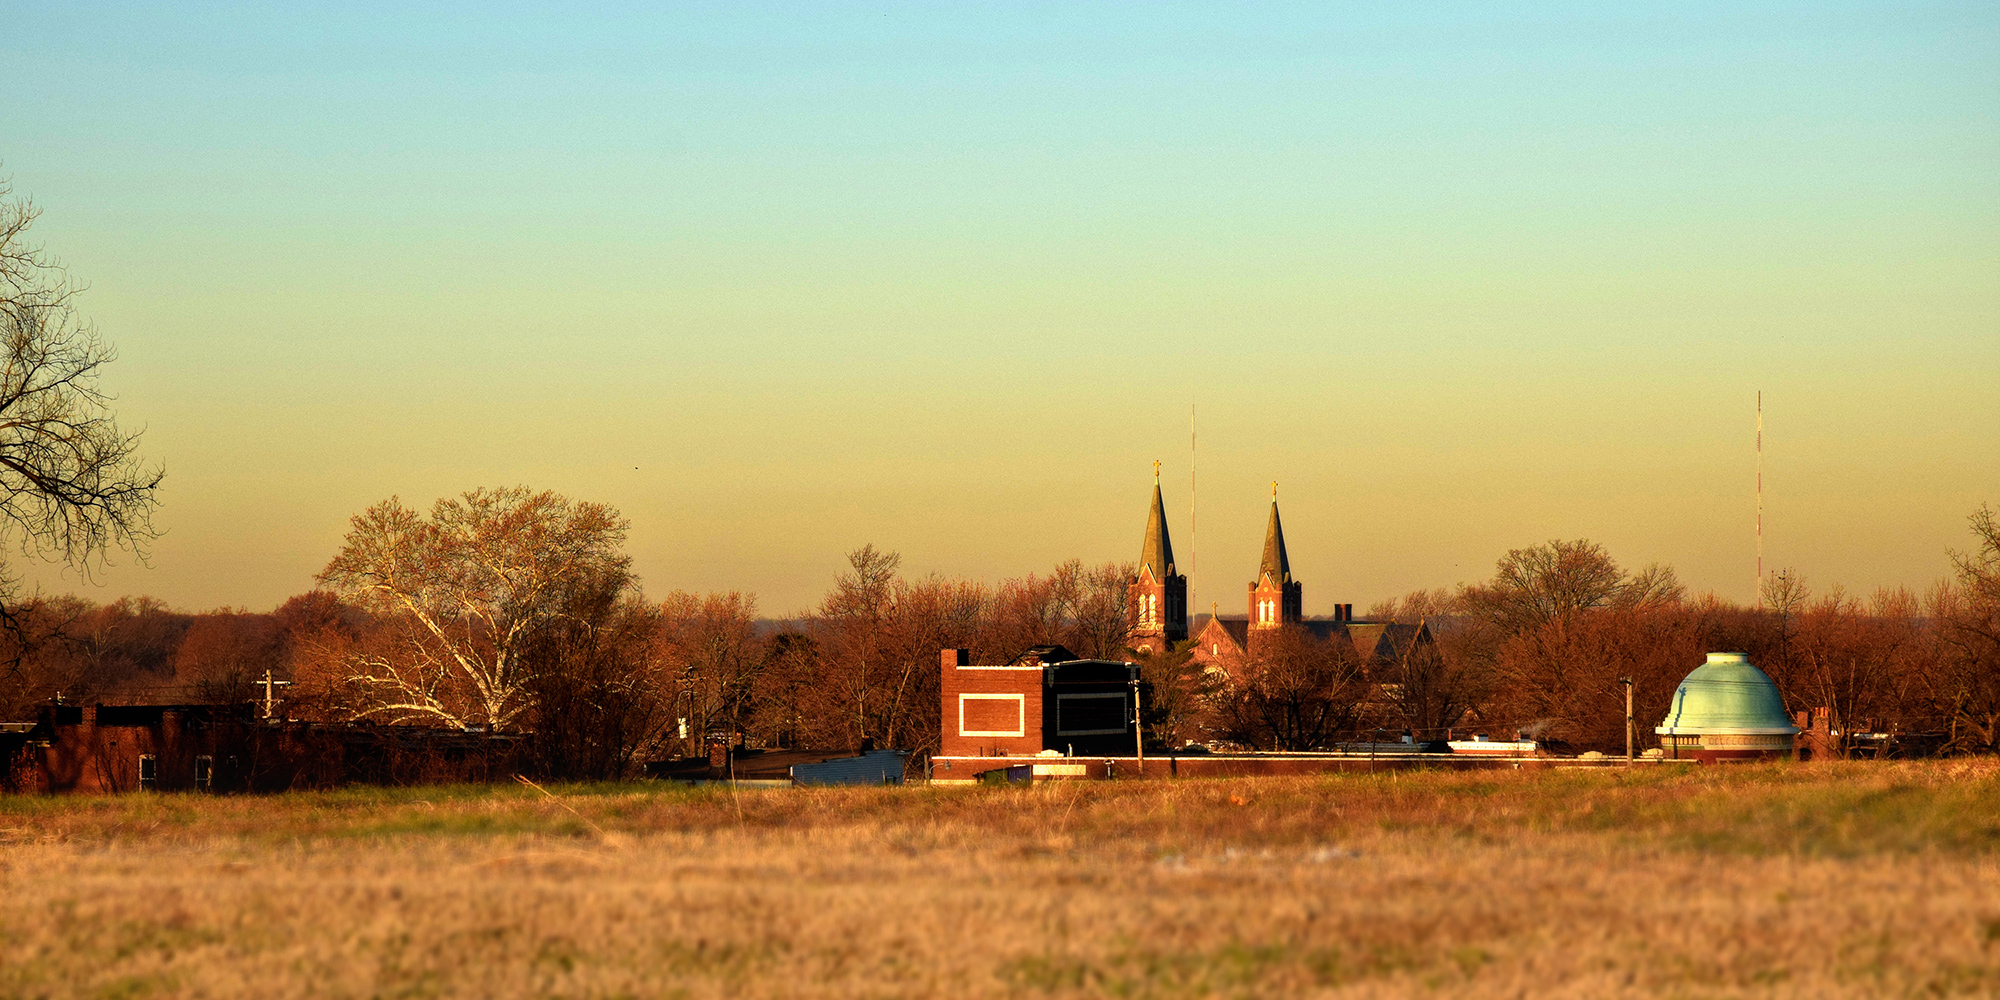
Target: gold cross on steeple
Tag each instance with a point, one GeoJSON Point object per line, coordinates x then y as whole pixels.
{"type": "Point", "coordinates": [1274, 489]}
{"type": "Point", "coordinates": [1156, 470]}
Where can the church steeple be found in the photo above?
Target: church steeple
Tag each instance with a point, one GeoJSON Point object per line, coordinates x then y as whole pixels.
{"type": "Point", "coordinates": [1156, 603]}
{"type": "Point", "coordinates": [1157, 555]}
{"type": "Point", "coordinates": [1275, 566]}
{"type": "Point", "coordinates": [1275, 598]}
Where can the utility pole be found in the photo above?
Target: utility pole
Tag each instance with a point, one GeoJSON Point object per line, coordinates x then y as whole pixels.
{"type": "Point", "coordinates": [1629, 731]}
{"type": "Point", "coordinates": [1138, 725]}
{"type": "Point", "coordinates": [270, 700]}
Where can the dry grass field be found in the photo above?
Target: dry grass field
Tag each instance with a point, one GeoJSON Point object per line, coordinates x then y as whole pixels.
{"type": "Point", "coordinates": [1851, 880]}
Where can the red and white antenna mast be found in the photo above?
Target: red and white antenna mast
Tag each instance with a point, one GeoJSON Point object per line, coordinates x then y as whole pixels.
{"type": "Point", "coordinates": [1760, 496]}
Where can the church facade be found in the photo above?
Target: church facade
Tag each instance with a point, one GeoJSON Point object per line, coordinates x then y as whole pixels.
{"type": "Point", "coordinates": [1274, 600]}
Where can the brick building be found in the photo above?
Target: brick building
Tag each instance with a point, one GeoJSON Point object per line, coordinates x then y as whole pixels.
{"type": "Point", "coordinates": [1044, 702]}
{"type": "Point", "coordinates": [100, 749]}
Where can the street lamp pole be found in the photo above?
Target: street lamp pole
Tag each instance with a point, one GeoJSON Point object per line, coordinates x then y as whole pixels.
{"type": "Point", "coordinates": [1138, 726]}
{"type": "Point", "coordinates": [1629, 731]}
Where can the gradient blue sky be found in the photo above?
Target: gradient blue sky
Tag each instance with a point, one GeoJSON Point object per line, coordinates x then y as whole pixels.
{"type": "Point", "coordinates": [780, 281]}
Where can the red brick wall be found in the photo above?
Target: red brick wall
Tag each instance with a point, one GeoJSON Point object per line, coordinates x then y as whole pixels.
{"type": "Point", "coordinates": [980, 702]}
{"type": "Point", "coordinates": [1215, 647]}
{"type": "Point", "coordinates": [96, 759]}
{"type": "Point", "coordinates": [1146, 638]}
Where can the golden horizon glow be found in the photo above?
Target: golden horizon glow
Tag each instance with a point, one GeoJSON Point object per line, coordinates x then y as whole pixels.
{"type": "Point", "coordinates": [777, 287]}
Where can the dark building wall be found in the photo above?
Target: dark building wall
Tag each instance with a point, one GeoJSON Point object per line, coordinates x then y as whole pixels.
{"type": "Point", "coordinates": [102, 749]}
{"type": "Point", "coordinates": [1089, 707]}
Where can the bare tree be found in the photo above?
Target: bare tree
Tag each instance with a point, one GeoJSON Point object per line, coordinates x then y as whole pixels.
{"type": "Point", "coordinates": [1782, 597]}
{"type": "Point", "coordinates": [70, 477]}
{"type": "Point", "coordinates": [1098, 624]}
{"type": "Point", "coordinates": [793, 701]}
{"type": "Point", "coordinates": [1430, 687]}
{"type": "Point", "coordinates": [1968, 610]}
{"type": "Point", "coordinates": [1543, 583]}
{"type": "Point", "coordinates": [1178, 691]}
{"type": "Point", "coordinates": [1437, 674]}
{"type": "Point", "coordinates": [931, 614]}
{"type": "Point", "coordinates": [1416, 606]}
{"type": "Point", "coordinates": [711, 651]}
{"type": "Point", "coordinates": [1560, 680]}
{"type": "Point", "coordinates": [600, 700]}
{"type": "Point", "coordinates": [853, 626]}
{"type": "Point", "coordinates": [877, 637]}
{"type": "Point", "coordinates": [1298, 693]}
{"type": "Point", "coordinates": [1656, 586]}
{"type": "Point", "coordinates": [1025, 611]}
{"type": "Point", "coordinates": [466, 589]}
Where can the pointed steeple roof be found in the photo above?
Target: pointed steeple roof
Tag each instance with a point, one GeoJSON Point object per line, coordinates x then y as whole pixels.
{"type": "Point", "coordinates": [1275, 564]}
{"type": "Point", "coordinates": [1158, 553]}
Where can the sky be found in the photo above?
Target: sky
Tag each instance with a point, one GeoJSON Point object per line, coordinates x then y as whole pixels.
{"type": "Point", "coordinates": [778, 281]}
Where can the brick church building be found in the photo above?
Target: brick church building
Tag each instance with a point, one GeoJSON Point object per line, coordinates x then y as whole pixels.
{"type": "Point", "coordinates": [1157, 606]}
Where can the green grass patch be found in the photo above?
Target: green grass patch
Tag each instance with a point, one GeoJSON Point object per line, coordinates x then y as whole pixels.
{"type": "Point", "coordinates": [1835, 810]}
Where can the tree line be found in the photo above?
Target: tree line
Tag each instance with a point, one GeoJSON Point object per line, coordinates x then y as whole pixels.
{"type": "Point", "coordinates": [510, 610]}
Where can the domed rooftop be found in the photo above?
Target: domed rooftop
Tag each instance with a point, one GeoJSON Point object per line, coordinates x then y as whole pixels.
{"type": "Point", "coordinates": [1728, 694]}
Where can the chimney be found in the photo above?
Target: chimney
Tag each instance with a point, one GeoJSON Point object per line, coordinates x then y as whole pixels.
{"type": "Point", "coordinates": [951, 658]}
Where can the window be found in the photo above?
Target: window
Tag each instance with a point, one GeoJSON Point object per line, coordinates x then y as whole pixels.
{"type": "Point", "coordinates": [204, 772]}
{"type": "Point", "coordinates": [992, 715]}
{"type": "Point", "coordinates": [149, 771]}
{"type": "Point", "coordinates": [1090, 714]}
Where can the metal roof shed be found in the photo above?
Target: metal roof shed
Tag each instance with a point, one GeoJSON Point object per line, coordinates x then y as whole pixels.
{"type": "Point", "coordinates": [873, 767]}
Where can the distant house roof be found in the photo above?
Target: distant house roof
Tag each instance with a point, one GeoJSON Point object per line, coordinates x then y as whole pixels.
{"type": "Point", "coordinates": [1378, 642]}
{"type": "Point", "coordinates": [1042, 654]}
{"type": "Point", "coordinates": [1375, 642]}
{"type": "Point", "coordinates": [1237, 627]}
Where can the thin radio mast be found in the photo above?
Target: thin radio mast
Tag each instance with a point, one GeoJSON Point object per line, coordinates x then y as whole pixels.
{"type": "Point", "coordinates": [1194, 507]}
{"type": "Point", "coordinates": [1759, 594]}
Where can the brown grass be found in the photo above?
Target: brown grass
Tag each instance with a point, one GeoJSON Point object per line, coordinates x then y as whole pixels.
{"type": "Point", "coordinates": [1851, 880]}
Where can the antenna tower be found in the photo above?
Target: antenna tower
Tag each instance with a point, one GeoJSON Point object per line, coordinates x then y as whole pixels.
{"type": "Point", "coordinates": [1759, 592]}
{"type": "Point", "coordinates": [1194, 507]}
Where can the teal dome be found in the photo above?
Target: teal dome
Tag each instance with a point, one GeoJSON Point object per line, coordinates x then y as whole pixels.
{"type": "Point", "coordinates": [1728, 694]}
